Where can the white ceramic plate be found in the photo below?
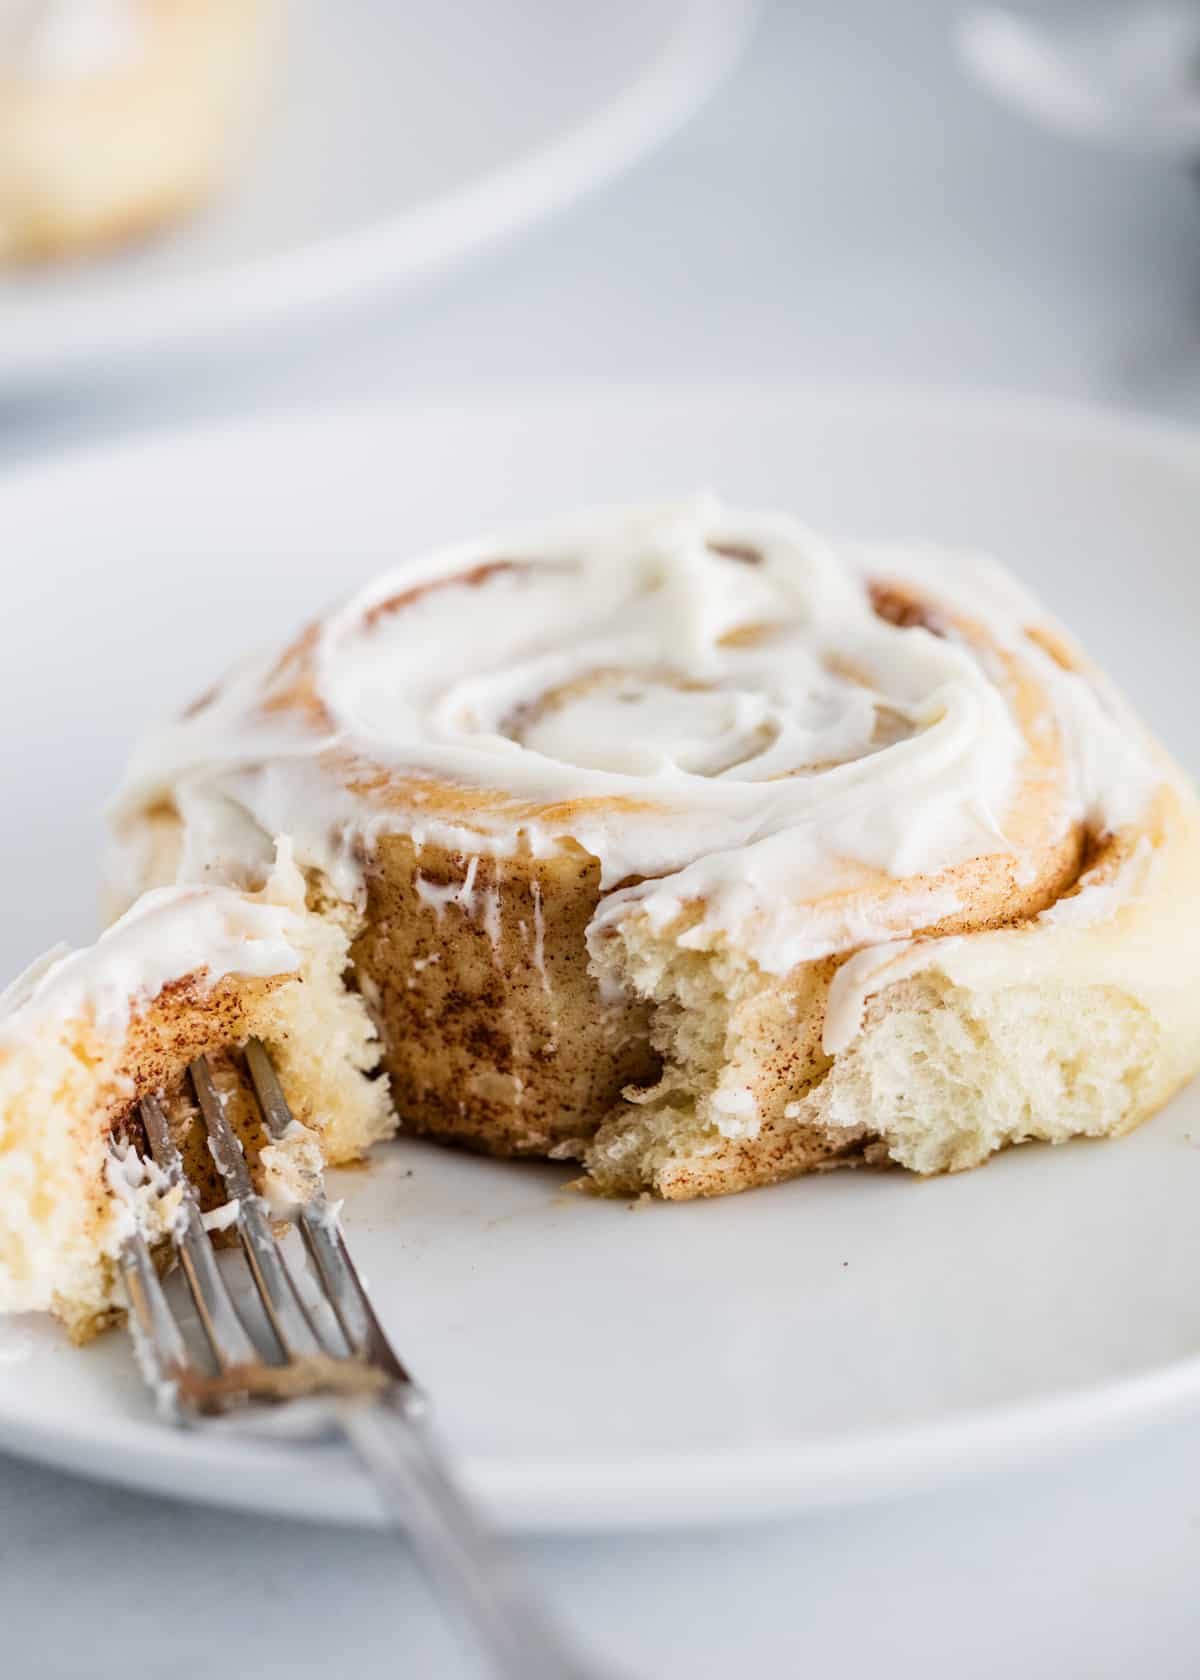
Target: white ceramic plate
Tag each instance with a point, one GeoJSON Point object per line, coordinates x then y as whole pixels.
{"type": "Point", "coordinates": [596, 1363]}
{"type": "Point", "coordinates": [401, 138]}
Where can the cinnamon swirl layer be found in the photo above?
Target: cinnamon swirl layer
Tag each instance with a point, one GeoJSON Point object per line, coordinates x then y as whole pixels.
{"type": "Point", "coordinates": [621, 806]}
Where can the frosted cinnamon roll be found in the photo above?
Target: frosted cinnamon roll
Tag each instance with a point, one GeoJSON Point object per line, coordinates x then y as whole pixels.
{"type": "Point", "coordinates": [85, 1035]}
{"type": "Point", "coordinates": [688, 845]}
{"type": "Point", "coordinates": [118, 115]}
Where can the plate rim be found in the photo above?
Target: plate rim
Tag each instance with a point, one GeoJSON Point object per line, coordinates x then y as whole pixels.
{"type": "Point", "coordinates": [654, 1491]}
{"type": "Point", "coordinates": [702, 47]}
{"type": "Point", "coordinates": [658, 1490]}
{"type": "Point", "coordinates": [1054, 418]}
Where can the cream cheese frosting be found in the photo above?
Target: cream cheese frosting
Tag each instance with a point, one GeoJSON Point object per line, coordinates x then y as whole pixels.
{"type": "Point", "coordinates": [1099, 899]}
{"type": "Point", "coordinates": [169, 933]}
{"type": "Point", "coordinates": [705, 700]}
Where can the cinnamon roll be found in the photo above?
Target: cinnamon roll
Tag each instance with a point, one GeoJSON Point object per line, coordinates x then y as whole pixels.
{"type": "Point", "coordinates": [84, 1035]}
{"type": "Point", "coordinates": [693, 847]}
{"type": "Point", "coordinates": [119, 115]}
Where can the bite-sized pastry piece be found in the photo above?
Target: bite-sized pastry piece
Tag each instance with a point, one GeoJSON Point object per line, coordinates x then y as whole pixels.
{"type": "Point", "coordinates": [689, 845]}
{"type": "Point", "coordinates": [84, 1035]}
{"type": "Point", "coordinates": [117, 115]}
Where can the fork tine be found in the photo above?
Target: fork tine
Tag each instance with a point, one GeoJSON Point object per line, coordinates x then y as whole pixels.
{"type": "Point", "coordinates": [160, 1348]}
{"type": "Point", "coordinates": [318, 1226]}
{"type": "Point", "coordinates": [380, 1410]}
{"type": "Point", "coordinates": [351, 1305]}
{"type": "Point", "coordinates": [223, 1329]}
{"type": "Point", "coordinates": [290, 1324]}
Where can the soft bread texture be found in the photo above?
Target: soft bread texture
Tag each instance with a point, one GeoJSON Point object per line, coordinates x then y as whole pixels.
{"type": "Point", "coordinates": [91, 159]}
{"type": "Point", "coordinates": [1041, 1030]}
{"type": "Point", "coordinates": [770, 1006]}
{"type": "Point", "coordinates": [69, 1082]}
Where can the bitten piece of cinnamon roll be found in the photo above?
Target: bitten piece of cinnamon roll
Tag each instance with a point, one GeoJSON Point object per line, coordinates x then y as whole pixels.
{"type": "Point", "coordinates": [85, 1035]}
{"type": "Point", "coordinates": [693, 847]}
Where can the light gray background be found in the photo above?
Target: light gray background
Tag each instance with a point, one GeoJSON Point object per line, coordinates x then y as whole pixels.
{"type": "Point", "coordinates": [846, 207]}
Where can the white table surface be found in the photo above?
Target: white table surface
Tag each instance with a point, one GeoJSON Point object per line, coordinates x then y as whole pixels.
{"type": "Point", "coordinates": [846, 207]}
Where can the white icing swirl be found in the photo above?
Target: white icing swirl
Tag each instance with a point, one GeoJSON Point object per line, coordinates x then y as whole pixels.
{"type": "Point", "coordinates": [706, 701]}
{"type": "Point", "coordinates": [168, 935]}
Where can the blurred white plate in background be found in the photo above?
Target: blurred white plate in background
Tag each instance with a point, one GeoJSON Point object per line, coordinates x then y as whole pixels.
{"type": "Point", "coordinates": [401, 137]}
{"type": "Point", "coordinates": [1123, 73]}
{"type": "Point", "coordinates": [598, 1364]}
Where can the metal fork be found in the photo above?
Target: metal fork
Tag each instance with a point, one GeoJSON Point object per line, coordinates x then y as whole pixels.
{"type": "Point", "coordinates": [348, 1362]}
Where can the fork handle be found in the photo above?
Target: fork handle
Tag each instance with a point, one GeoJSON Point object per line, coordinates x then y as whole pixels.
{"type": "Point", "coordinates": [422, 1498]}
